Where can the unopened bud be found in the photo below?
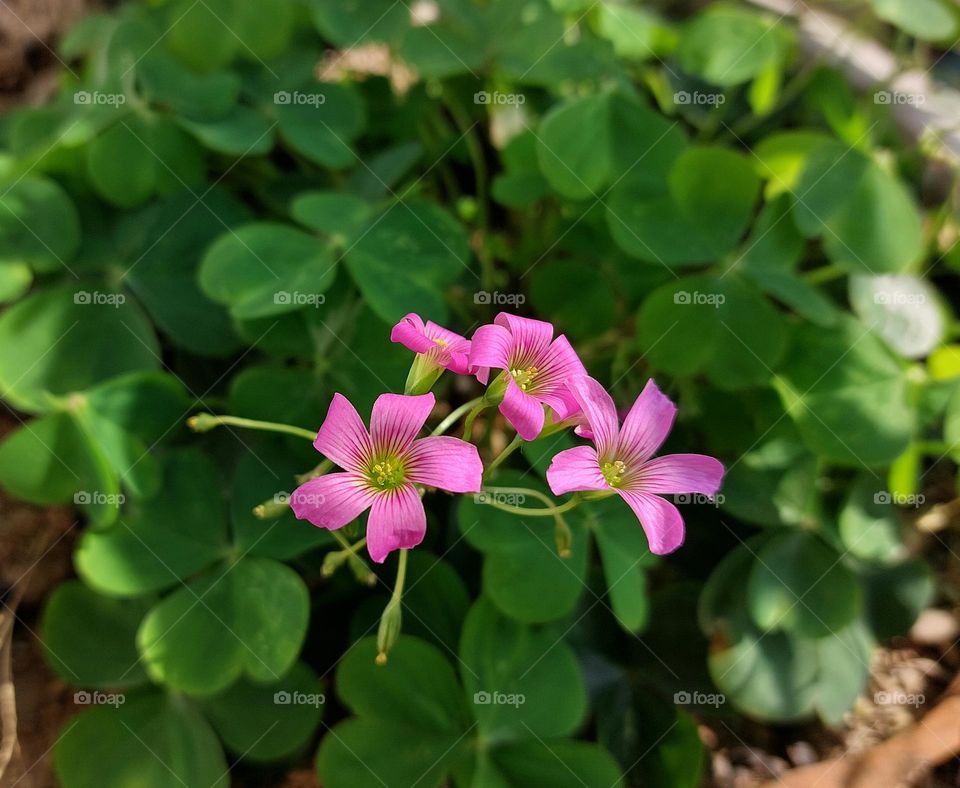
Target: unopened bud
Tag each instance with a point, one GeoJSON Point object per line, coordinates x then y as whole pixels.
{"type": "Point", "coordinates": [203, 422]}
{"type": "Point", "coordinates": [389, 631]}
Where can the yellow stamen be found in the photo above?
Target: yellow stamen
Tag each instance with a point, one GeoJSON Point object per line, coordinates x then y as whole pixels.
{"type": "Point", "coordinates": [613, 472]}
{"type": "Point", "coordinates": [524, 377]}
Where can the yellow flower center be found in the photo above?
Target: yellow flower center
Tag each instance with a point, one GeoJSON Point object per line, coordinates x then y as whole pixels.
{"type": "Point", "coordinates": [440, 342]}
{"type": "Point", "coordinates": [613, 472]}
{"type": "Point", "coordinates": [524, 377]}
{"type": "Point", "coordinates": [387, 473]}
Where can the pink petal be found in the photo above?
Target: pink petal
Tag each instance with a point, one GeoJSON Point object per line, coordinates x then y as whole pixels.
{"type": "Point", "coordinates": [342, 436]}
{"type": "Point", "coordinates": [556, 368]}
{"type": "Point", "coordinates": [453, 354]}
{"type": "Point", "coordinates": [459, 362]}
{"type": "Point", "coordinates": [397, 521]}
{"type": "Point", "coordinates": [446, 463]}
{"type": "Point", "coordinates": [333, 500]}
{"type": "Point", "coordinates": [681, 473]}
{"type": "Point", "coordinates": [531, 338]}
{"type": "Point", "coordinates": [397, 419]}
{"type": "Point", "coordinates": [491, 346]}
{"type": "Point", "coordinates": [660, 520]}
{"type": "Point", "coordinates": [524, 412]}
{"type": "Point", "coordinates": [575, 470]}
{"type": "Point", "coordinates": [600, 413]}
{"type": "Point", "coordinates": [410, 332]}
{"type": "Point", "coordinates": [647, 424]}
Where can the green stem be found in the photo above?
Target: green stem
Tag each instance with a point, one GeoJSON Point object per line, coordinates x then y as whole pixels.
{"type": "Point", "coordinates": [937, 448]}
{"type": "Point", "coordinates": [454, 416]}
{"type": "Point", "coordinates": [548, 510]}
{"type": "Point", "coordinates": [471, 417]}
{"type": "Point", "coordinates": [391, 620]}
{"type": "Point", "coordinates": [204, 422]}
{"type": "Point", "coordinates": [510, 449]}
{"type": "Point", "coordinates": [358, 566]}
{"type": "Point", "coordinates": [320, 470]}
{"type": "Point", "coordinates": [823, 274]}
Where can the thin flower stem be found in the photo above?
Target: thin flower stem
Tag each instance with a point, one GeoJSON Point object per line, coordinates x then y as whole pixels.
{"type": "Point", "coordinates": [361, 571]}
{"type": "Point", "coordinates": [320, 470]}
{"type": "Point", "coordinates": [471, 416]}
{"type": "Point", "coordinates": [454, 416]}
{"type": "Point", "coordinates": [203, 422]}
{"type": "Point", "coordinates": [510, 449]}
{"type": "Point", "coordinates": [824, 274]}
{"type": "Point", "coordinates": [549, 510]}
{"type": "Point", "coordinates": [391, 620]}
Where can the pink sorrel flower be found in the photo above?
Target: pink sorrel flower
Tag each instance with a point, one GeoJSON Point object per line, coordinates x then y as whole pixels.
{"type": "Point", "coordinates": [381, 468]}
{"type": "Point", "coordinates": [537, 370]}
{"type": "Point", "coordinates": [621, 461]}
{"type": "Point", "coordinates": [437, 344]}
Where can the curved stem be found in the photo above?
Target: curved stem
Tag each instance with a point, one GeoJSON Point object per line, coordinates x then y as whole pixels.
{"type": "Point", "coordinates": [391, 620]}
{"type": "Point", "coordinates": [453, 416]}
{"type": "Point", "coordinates": [823, 274]}
{"type": "Point", "coordinates": [471, 417]}
{"type": "Point", "coordinates": [203, 422]}
{"type": "Point", "coordinates": [361, 571]}
{"type": "Point", "coordinates": [549, 510]}
{"type": "Point", "coordinates": [510, 449]}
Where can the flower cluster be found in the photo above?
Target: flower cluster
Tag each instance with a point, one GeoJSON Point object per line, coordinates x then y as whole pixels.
{"type": "Point", "coordinates": [536, 380]}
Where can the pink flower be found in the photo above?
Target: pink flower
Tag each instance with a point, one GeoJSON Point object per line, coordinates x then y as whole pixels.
{"type": "Point", "coordinates": [622, 462]}
{"type": "Point", "coordinates": [536, 370]}
{"type": "Point", "coordinates": [436, 343]}
{"type": "Point", "coordinates": [381, 468]}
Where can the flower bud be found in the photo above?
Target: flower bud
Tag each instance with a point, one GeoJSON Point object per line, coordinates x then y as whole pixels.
{"type": "Point", "coordinates": [389, 631]}
{"type": "Point", "coordinates": [423, 374]}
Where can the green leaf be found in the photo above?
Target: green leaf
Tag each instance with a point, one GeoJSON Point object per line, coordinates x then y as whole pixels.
{"type": "Point", "coordinates": [929, 20]}
{"type": "Point", "coordinates": [780, 158]}
{"type": "Point", "coordinates": [867, 219]}
{"type": "Point", "coordinates": [844, 659]}
{"type": "Point", "coordinates": [248, 618]}
{"type": "Point", "coordinates": [266, 269]}
{"type": "Point", "coordinates": [847, 395]}
{"type": "Point", "coordinates": [522, 681]}
{"type": "Point", "coordinates": [200, 96]}
{"type": "Point", "coordinates": [717, 325]}
{"type": "Point", "coordinates": [904, 310]}
{"type": "Point", "coordinates": [165, 539]}
{"type": "Point", "coordinates": [268, 722]}
{"type": "Point", "coordinates": [896, 595]}
{"type": "Point", "coordinates": [594, 310]}
{"type": "Point", "coordinates": [636, 33]}
{"type": "Point", "coordinates": [435, 602]}
{"type": "Point", "coordinates": [90, 639]}
{"type": "Point", "coordinates": [243, 132]}
{"type": "Point", "coordinates": [696, 215]}
{"type": "Point", "coordinates": [727, 46]}
{"type": "Point", "coordinates": [333, 213]}
{"type": "Point", "coordinates": [202, 35]}
{"type": "Point", "coordinates": [868, 524]}
{"type": "Point", "coordinates": [564, 764]}
{"type": "Point", "coordinates": [799, 584]}
{"type": "Point", "coordinates": [106, 746]}
{"type": "Point", "coordinates": [319, 121]}
{"type": "Point", "coordinates": [624, 554]}
{"type": "Point", "coordinates": [39, 227]}
{"type": "Point", "coordinates": [416, 246]}
{"type": "Point", "coordinates": [349, 23]}
{"type": "Point", "coordinates": [521, 559]}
